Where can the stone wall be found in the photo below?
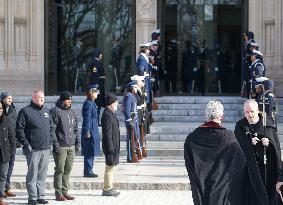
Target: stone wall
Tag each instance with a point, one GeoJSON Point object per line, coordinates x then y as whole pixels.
{"type": "Point", "coordinates": [265, 20]}
{"type": "Point", "coordinates": [146, 21]}
{"type": "Point", "coordinates": [21, 45]}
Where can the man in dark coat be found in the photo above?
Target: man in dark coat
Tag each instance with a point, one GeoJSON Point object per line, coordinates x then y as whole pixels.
{"type": "Point", "coordinates": [67, 142]}
{"type": "Point", "coordinates": [35, 131]}
{"type": "Point", "coordinates": [110, 143]}
{"type": "Point", "coordinates": [7, 145]}
{"type": "Point", "coordinates": [11, 113]}
{"type": "Point", "coordinates": [90, 140]}
{"type": "Point", "coordinates": [253, 139]}
{"type": "Point", "coordinates": [215, 163]}
{"type": "Point", "coordinates": [97, 76]}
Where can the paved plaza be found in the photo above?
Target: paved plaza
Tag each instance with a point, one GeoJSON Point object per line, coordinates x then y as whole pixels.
{"type": "Point", "coordinates": [127, 197]}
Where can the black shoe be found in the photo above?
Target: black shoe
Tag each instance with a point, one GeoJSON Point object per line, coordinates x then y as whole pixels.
{"type": "Point", "coordinates": [91, 175]}
{"type": "Point", "coordinates": [110, 192]}
{"type": "Point", "coordinates": [32, 202]}
{"type": "Point", "coordinates": [42, 201]}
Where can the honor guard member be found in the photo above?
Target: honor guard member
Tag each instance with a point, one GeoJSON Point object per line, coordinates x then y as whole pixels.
{"type": "Point", "coordinates": [155, 65]}
{"type": "Point", "coordinates": [90, 140]}
{"type": "Point", "coordinates": [155, 35]}
{"type": "Point", "coordinates": [256, 70]}
{"type": "Point", "coordinates": [131, 121]}
{"type": "Point", "coordinates": [97, 76]}
{"type": "Point", "coordinates": [144, 69]}
{"type": "Point", "coordinates": [249, 39]}
{"type": "Point", "coordinates": [257, 67]}
{"type": "Point", "coordinates": [143, 114]}
{"type": "Point", "coordinates": [264, 87]}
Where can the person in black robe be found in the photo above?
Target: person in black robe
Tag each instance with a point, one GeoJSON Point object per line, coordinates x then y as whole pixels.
{"type": "Point", "coordinates": [215, 162]}
{"type": "Point", "coordinates": [253, 139]}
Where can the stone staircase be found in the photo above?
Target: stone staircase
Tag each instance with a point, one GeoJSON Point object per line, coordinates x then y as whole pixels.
{"type": "Point", "coordinates": [176, 117]}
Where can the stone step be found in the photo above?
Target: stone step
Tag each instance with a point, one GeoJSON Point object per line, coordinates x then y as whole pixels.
{"type": "Point", "coordinates": [154, 148]}
{"type": "Point", "coordinates": [198, 99]}
{"type": "Point", "coordinates": [195, 112]}
{"type": "Point", "coordinates": [152, 173]}
{"type": "Point", "coordinates": [188, 119]}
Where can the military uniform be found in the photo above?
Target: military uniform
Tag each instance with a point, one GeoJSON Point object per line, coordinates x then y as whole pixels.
{"type": "Point", "coordinates": [268, 99]}
{"type": "Point", "coordinates": [130, 107]}
{"type": "Point", "coordinates": [257, 69]}
{"type": "Point", "coordinates": [98, 77]}
{"type": "Point", "coordinates": [143, 68]}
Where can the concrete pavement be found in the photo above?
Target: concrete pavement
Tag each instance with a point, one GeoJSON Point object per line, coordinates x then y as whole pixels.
{"type": "Point", "coordinates": [152, 173]}
{"type": "Point", "coordinates": [137, 197]}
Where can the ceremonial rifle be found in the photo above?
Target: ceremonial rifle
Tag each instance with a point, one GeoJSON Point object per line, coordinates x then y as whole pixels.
{"type": "Point", "coordinates": [144, 152]}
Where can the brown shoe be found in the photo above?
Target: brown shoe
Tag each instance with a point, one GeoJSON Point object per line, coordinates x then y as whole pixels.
{"type": "Point", "coordinates": [69, 197]}
{"type": "Point", "coordinates": [2, 202]}
{"type": "Point", "coordinates": [10, 194]}
{"type": "Point", "coordinates": [60, 198]}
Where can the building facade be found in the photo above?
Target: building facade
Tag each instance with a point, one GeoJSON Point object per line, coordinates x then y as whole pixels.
{"type": "Point", "coordinates": [48, 44]}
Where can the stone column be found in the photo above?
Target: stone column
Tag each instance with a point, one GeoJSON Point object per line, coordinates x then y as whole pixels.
{"type": "Point", "coordinates": [21, 46]}
{"type": "Point", "coordinates": [265, 20]}
{"type": "Point", "coordinates": [146, 21]}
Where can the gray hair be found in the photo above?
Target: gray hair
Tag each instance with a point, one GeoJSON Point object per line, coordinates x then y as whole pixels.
{"type": "Point", "coordinates": [251, 102]}
{"type": "Point", "coordinates": [213, 110]}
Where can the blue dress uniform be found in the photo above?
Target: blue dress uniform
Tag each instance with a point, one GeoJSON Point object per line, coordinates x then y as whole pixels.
{"type": "Point", "coordinates": [130, 106]}
{"type": "Point", "coordinates": [143, 67]}
{"type": "Point", "coordinates": [257, 69]}
{"type": "Point", "coordinates": [269, 100]}
{"type": "Point", "coordinates": [90, 146]}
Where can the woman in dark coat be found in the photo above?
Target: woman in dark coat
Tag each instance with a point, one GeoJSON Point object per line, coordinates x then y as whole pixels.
{"type": "Point", "coordinates": [7, 145]}
{"type": "Point", "coordinates": [90, 140]}
{"type": "Point", "coordinates": [110, 143]}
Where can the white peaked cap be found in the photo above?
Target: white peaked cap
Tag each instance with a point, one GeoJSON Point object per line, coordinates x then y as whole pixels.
{"type": "Point", "coordinates": [137, 77]}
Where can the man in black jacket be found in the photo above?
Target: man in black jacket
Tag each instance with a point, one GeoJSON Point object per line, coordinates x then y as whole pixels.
{"type": "Point", "coordinates": [35, 131]}
{"type": "Point", "coordinates": [9, 110]}
{"type": "Point", "coordinates": [254, 140]}
{"type": "Point", "coordinates": [7, 145]}
{"type": "Point", "coordinates": [67, 142]}
{"type": "Point", "coordinates": [110, 143]}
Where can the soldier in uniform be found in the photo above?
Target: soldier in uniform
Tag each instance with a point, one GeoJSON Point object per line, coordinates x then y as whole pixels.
{"type": "Point", "coordinates": [256, 70]}
{"type": "Point", "coordinates": [143, 114]}
{"type": "Point", "coordinates": [144, 69]}
{"type": "Point", "coordinates": [154, 61]}
{"type": "Point", "coordinates": [264, 87]}
{"type": "Point", "coordinates": [190, 64]}
{"type": "Point", "coordinates": [97, 76]}
{"type": "Point", "coordinates": [131, 121]}
{"type": "Point", "coordinates": [90, 140]}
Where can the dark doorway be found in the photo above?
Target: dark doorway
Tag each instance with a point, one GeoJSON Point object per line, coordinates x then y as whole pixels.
{"type": "Point", "coordinates": [203, 47]}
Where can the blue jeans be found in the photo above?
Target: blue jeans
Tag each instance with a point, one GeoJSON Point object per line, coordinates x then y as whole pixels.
{"type": "Point", "coordinates": [88, 165]}
{"type": "Point", "coordinates": [10, 170]}
{"type": "Point", "coordinates": [4, 166]}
